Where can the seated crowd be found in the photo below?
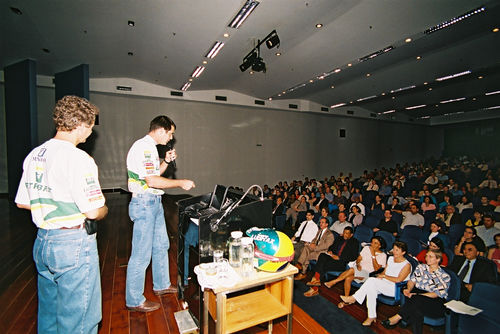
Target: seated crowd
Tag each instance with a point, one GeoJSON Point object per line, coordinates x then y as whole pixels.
{"type": "Point", "coordinates": [373, 230]}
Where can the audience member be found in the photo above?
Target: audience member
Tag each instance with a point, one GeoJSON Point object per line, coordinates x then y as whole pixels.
{"type": "Point", "coordinates": [339, 226]}
{"type": "Point", "coordinates": [464, 204]}
{"type": "Point", "coordinates": [485, 207]}
{"type": "Point", "coordinates": [489, 183]}
{"type": "Point", "coordinates": [296, 207]}
{"type": "Point", "coordinates": [450, 217]}
{"type": "Point", "coordinates": [471, 268]}
{"type": "Point", "coordinates": [321, 242]}
{"type": "Point", "coordinates": [355, 217]}
{"type": "Point", "coordinates": [305, 234]}
{"type": "Point", "coordinates": [371, 259]}
{"type": "Point", "coordinates": [437, 245]}
{"type": "Point", "coordinates": [470, 235]}
{"type": "Point", "coordinates": [387, 224]}
{"type": "Point", "coordinates": [427, 205]}
{"type": "Point", "coordinates": [398, 269]}
{"type": "Point", "coordinates": [426, 291]}
{"type": "Point", "coordinates": [378, 204]}
{"type": "Point", "coordinates": [412, 217]}
{"type": "Point", "coordinates": [488, 230]}
{"type": "Point", "coordinates": [342, 251]}
{"type": "Point", "coordinates": [494, 252]}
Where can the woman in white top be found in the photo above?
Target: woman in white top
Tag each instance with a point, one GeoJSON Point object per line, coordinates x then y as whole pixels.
{"type": "Point", "coordinates": [398, 270]}
{"type": "Point", "coordinates": [369, 260]}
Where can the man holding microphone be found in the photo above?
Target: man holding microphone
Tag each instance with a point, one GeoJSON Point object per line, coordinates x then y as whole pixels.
{"type": "Point", "coordinates": [150, 240]}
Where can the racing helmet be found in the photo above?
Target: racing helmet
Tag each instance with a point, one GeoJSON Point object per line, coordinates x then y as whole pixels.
{"type": "Point", "coordinates": [272, 249]}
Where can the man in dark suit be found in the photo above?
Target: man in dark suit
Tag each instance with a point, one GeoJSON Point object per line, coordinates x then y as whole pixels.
{"type": "Point", "coordinates": [471, 268]}
{"type": "Point", "coordinates": [278, 210]}
{"type": "Point", "coordinates": [450, 217]}
{"type": "Point", "coordinates": [342, 251]}
{"type": "Point", "coordinates": [323, 239]}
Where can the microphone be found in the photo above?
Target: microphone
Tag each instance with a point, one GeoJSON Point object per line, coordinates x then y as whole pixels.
{"type": "Point", "coordinates": [214, 225]}
{"type": "Point", "coordinates": [170, 148]}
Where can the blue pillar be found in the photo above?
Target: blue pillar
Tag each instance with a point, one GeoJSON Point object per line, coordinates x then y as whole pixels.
{"type": "Point", "coordinates": [20, 117]}
{"type": "Point", "coordinates": [73, 82]}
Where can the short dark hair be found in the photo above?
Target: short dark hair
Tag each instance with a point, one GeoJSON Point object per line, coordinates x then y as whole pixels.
{"type": "Point", "coordinates": [474, 231]}
{"type": "Point", "coordinates": [438, 242]}
{"type": "Point", "coordinates": [161, 122]}
{"type": "Point", "coordinates": [383, 244]}
{"type": "Point", "coordinates": [401, 245]}
{"type": "Point", "coordinates": [310, 211]}
{"type": "Point", "coordinates": [471, 243]}
{"type": "Point", "coordinates": [349, 228]}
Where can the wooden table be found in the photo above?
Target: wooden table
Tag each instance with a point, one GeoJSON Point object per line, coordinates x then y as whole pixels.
{"type": "Point", "coordinates": [246, 310]}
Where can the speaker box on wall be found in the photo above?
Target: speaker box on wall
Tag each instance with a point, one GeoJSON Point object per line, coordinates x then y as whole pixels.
{"type": "Point", "coordinates": [342, 133]}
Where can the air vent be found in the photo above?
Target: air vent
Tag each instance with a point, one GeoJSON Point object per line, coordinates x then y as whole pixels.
{"type": "Point", "coordinates": [350, 112]}
{"type": "Point", "coordinates": [124, 88]}
{"type": "Point", "coordinates": [342, 133]}
{"type": "Point", "coordinates": [293, 106]}
{"type": "Point", "coordinates": [324, 109]}
{"type": "Point", "coordinates": [220, 98]}
{"type": "Point", "coordinates": [174, 93]}
{"type": "Point", "coordinates": [260, 102]}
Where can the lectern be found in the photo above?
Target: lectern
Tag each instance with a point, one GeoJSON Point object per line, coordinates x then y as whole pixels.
{"type": "Point", "coordinates": [199, 235]}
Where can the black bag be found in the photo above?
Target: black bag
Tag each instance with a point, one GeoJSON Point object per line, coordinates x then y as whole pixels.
{"type": "Point", "coordinates": [90, 226]}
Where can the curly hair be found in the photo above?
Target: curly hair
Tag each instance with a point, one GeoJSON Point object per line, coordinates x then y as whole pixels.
{"type": "Point", "coordinates": [71, 111]}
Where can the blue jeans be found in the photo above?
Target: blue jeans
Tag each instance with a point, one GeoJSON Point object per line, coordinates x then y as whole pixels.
{"type": "Point", "coordinates": [69, 285]}
{"type": "Point", "coordinates": [149, 242]}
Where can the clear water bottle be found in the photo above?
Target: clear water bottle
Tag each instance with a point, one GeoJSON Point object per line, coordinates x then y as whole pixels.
{"type": "Point", "coordinates": [246, 256]}
{"type": "Point", "coordinates": [235, 249]}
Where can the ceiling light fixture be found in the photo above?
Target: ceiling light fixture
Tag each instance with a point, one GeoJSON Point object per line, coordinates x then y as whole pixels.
{"type": "Point", "coordinates": [408, 40]}
{"type": "Point", "coordinates": [377, 53]}
{"type": "Point", "coordinates": [366, 98]}
{"type": "Point", "coordinates": [197, 71]}
{"type": "Point", "coordinates": [278, 54]}
{"type": "Point", "coordinates": [495, 107]}
{"type": "Point", "coordinates": [454, 20]}
{"type": "Point", "coordinates": [453, 100]}
{"type": "Point", "coordinates": [389, 111]}
{"type": "Point", "coordinates": [131, 23]}
{"type": "Point", "coordinates": [226, 35]}
{"type": "Point", "coordinates": [418, 57]}
{"type": "Point", "coordinates": [452, 76]}
{"type": "Point", "coordinates": [416, 107]}
{"type": "Point", "coordinates": [402, 89]}
{"type": "Point", "coordinates": [337, 70]}
{"type": "Point", "coordinates": [480, 77]}
{"type": "Point", "coordinates": [272, 40]}
{"type": "Point", "coordinates": [368, 74]}
{"type": "Point", "coordinates": [495, 29]}
{"type": "Point", "coordinates": [493, 93]}
{"type": "Point", "coordinates": [186, 86]}
{"type": "Point", "coordinates": [214, 50]}
{"type": "Point", "coordinates": [349, 65]}
{"type": "Point", "coordinates": [205, 62]}
{"type": "Point", "coordinates": [337, 105]}
{"type": "Point", "coordinates": [243, 13]}
{"type": "Point", "coordinates": [319, 25]}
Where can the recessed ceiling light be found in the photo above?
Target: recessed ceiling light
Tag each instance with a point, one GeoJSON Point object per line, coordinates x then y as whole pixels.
{"type": "Point", "coordinates": [425, 83]}
{"type": "Point", "coordinates": [368, 74]}
{"type": "Point", "coordinates": [332, 86]}
{"type": "Point", "coordinates": [389, 111]}
{"type": "Point", "coordinates": [480, 77]}
{"type": "Point", "coordinates": [204, 62]}
{"type": "Point", "coordinates": [319, 25]}
{"type": "Point", "coordinates": [451, 76]}
{"type": "Point", "coordinates": [418, 57]}
{"type": "Point", "coordinates": [186, 86]}
{"type": "Point", "coordinates": [383, 94]}
{"type": "Point", "coordinates": [278, 53]}
{"type": "Point", "coordinates": [495, 29]}
{"type": "Point", "coordinates": [131, 23]}
{"type": "Point", "coordinates": [337, 70]}
{"type": "Point", "coordinates": [197, 71]}
{"type": "Point", "coordinates": [454, 20]}
{"type": "Point", "coordinates": [430, 88]}
{"type": "Point", "coordinates": [190, 79]}
{"type": "Point", "coordinates": [243, 14]}
{"type": "Point", "coordinates": [349, 65]}
{"type": "Point", "coordinates": [493, 93]}
{"type": "Point", "coordinates": [337, 105]}
{"type": "Point", "coordinates": [453, 100]}
{"type": "Point", "coordinates": [279, 94]}
{"type": "Point", "coordinates": [283, 92]}
{"type": "Point", "coordinates": [214, 50]}
{"type": "Point", "coordinates": [474, 99]}
{"type": "Point", "coordinates": [270, 99]}
{"type": "Point", "coordinates": [226, 35]}
{"type": "Point", "coordinates": [393, 97]}
{"type": "Point", "coordinates": [408, 40]}
{"type": "Point", "coordinates": [311, 80]}
{"type": "Point", "coordinates": [251, 72]}
{"type": "Point", "coordinates": [130, 53]}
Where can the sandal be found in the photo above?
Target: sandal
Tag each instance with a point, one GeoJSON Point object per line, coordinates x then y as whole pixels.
{"type": "Point", "coordinates": [313, 283]}
{"type": "Point", "coordinates": [341, 305]}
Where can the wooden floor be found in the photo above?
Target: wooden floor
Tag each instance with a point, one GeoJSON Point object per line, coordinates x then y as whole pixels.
{"type": "Point", "coordinates": [18, 294]}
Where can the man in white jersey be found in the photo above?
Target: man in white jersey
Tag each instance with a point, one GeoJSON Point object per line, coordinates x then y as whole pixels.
{"type": "Point", "coordinates": [61, 188]}
{"type": "Point", "coordinates": [149, 240]}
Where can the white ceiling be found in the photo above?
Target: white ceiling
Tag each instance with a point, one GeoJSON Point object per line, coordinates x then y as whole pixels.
{"type": "Point", "coordinates": [170, 38]}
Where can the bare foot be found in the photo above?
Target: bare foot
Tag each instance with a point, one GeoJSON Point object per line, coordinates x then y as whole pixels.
{"type": "Point", "coordinates": [331, 283]}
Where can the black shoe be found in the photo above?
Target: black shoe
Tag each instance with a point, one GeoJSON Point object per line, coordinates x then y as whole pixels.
{"type": "Point", "coordinates": [403, 324]}
{"type": "Point", "coordinates": [387, 324]}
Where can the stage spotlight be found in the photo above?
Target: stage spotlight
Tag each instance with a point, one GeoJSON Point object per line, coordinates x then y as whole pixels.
{"type": "Point", "coordinates": [259, 65]}
{"type": "Point", "coordinates": [249, 60]}
{"type": "Point", "coordinates": [272, 40]}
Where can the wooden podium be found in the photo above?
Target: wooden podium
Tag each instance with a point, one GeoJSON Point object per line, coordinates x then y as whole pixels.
{"type": "Point", "coordinates": [251, 307]}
